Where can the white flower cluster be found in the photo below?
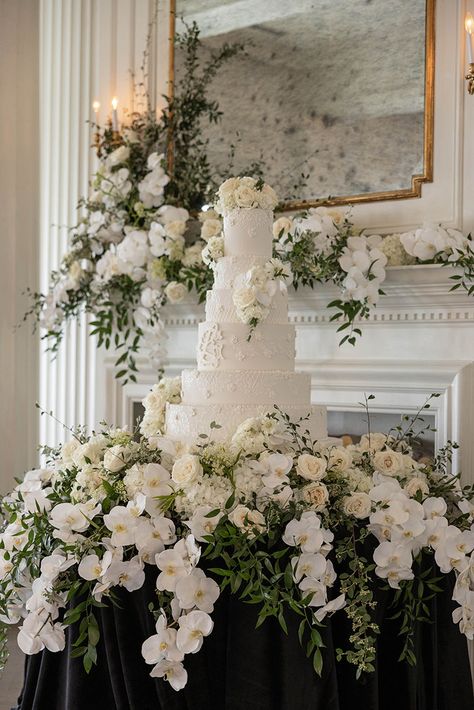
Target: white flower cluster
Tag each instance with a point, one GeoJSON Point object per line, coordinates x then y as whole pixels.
{"type": "Point", "coordinates": [245, 192]}
{"type": "Point", "coordinates": [433, 240]}
{"type": "Point", "coordinates": [254, 290]}
{"type": "Point", "coordinates": [321, 223]}
{"type": "Point", "coordinates": [111, 505]}
{"type": "Point", "coordinates": [152, 187]}
{"type": "Point", "coordinates": [312, 571]}
{"type": "Point", "coordinates": [364, 263]}
{"type": "Point", "coordinates": [193, 600]}
{"type": "Point", "coordinates": [167, 390]}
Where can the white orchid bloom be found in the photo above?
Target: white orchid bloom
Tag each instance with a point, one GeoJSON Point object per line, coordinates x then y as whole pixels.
{"type": "Point", "coordinates": [197, 590]}
{"type": "Point", "coordinates": [156, 481]}
{"type": "Point", "coordinates": [331, 607]}
{"type": "Point", "coordinates": [70, 517]}
{"type": "Point", "coordinates": [393, 562]}
{"type": "Point", "coordinates": [162, 645]}
{"type": "Point", "coordinates": [37, 632]}
{"type": "Point", "coordinates": [175, 673]}
{"type": "Point", "coordinates": [54, 564]}
{"type": "Point", "coordinates": [192, 629]}
{"type": "Point", "coordinates": [129, 574]}
{"type": "Point", "coordinates": [277, 467]}
{"type": "Point", "coordinates": [200, 525]}
{"type": "Point", "coordinates": [92, 567]}
{"type": "Point", "coordinates": [122, 523]}
{"type": "Point", "coordinates": [305, 533]}
{"type": "Point", "coordinates": [151, 536]}
{"type": "Point", "coordinates": [452, 550]}
{"type": "Point", "coordinates": [172, 566]}
{"type": "Point", "coordinates": [308, 565]}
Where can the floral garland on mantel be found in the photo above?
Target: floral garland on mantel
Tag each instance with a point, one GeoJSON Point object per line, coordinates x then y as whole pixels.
{"type": "Point", "coordinates": [284, 522]}
{"type": "Point", "coordinates": [125, 268]}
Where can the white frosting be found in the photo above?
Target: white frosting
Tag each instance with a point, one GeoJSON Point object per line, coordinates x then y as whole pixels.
{"type": "Point", "coordinates": [248, 231]}
{"type": "Point", "coordinates": [225, 346]}
{"type": "Point", "coordinates": [220, 307]}
{"type": "Point", "coordinates": [187, 421]}
{"type": "Point", "coordinates": [246, 387]}
{"type": "Point", "coordinates": [237, 377]}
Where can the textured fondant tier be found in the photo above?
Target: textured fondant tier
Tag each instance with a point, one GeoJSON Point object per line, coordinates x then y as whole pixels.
{"type": "Point", "coordinates": [186, 421]}
{"type": "Point", "coordinates": [225, 346]}
{"type": "Point", "coordinates": [248, 231]}
{"type": "Point", "coordinates": [220, 307]}
{"type": "Point", "coordinates": [254, 388]}
{"type": "Point", "coordinates": [227, 268]}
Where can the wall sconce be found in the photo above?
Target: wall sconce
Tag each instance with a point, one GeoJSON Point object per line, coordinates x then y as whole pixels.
{"type": "Point", "coordinates": [469, 25]}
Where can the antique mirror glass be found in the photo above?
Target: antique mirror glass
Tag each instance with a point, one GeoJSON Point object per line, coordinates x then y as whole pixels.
{"type": "Point", "coordinates": [338, 91]}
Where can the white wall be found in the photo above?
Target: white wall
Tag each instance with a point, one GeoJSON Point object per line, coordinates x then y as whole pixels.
{"type": "Point", "coordinates": [19, 31]}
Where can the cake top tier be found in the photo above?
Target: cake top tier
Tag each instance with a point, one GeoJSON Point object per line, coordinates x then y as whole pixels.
{"type": "Point", "coordinates": [247, 206]}
{"type": "Point", "coordinates": [245, 193]}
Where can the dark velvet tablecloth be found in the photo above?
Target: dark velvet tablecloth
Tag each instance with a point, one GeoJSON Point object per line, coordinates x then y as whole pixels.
{"type": "Point", "coordinates": [240, 668]}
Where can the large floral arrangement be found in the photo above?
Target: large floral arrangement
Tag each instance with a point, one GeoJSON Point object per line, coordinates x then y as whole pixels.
{"type": "Point", "coordinates": [136, 246]}
{"type": "Point", "coordinates": [285, 522]}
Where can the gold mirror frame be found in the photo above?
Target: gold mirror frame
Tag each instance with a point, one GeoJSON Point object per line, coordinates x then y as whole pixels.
{"type": "Point", "coordinates": [428, 128]}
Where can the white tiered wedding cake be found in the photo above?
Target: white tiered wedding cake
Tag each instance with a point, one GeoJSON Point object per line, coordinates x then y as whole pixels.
{"type": "Point", "coordinates": [238, 376]}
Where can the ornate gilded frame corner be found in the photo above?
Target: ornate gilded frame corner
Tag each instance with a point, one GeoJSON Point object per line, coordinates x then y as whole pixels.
{"type": "Point", "coordinates": [428, 132]}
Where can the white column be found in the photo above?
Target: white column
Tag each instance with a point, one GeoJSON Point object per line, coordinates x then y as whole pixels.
{"type": "Point", "coordinates": [19, 29]}
{"type": "Point", "coordinates": [87, 50]}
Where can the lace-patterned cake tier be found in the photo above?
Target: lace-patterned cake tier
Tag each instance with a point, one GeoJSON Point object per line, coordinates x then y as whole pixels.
{"type": "Point", "coordinates": [227, 268]}
{"type": "Point", "coordinates": [248, 231]}
{"type": "Point", "coordinates": [186, 421]}
{"type": "Point", "coordinates": [220, 307]}
{"type": "Point", "coordinates": [226, 346]}
{"type": "Point", "coordinates": [247, 387]}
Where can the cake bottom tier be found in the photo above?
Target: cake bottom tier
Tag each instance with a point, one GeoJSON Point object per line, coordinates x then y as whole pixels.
{"type": "Point", "coordinates": [186, 421]}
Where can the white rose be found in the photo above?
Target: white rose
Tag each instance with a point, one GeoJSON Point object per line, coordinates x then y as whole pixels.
{"type": "Point", "coordinates": [267, 198]}
{"type": "Point", "coordinates": [372, 442]}
{"type": "Point", "coordinates": [245, 196]}
{"type": "Point", "coordinates": [119, 155]}
{"type": "Point", "coordinates": [176, 228]}
{"type": "Point", "coordinates": [115, 458]}
{"type": "Point", "coordinates": [244, 518]}
{"type": "Point", "coordinates": [311, 467]}
{"type": "Point", "coordinates": [213, 250]}
{"type": "Point", "coordinates": [415, 485]}
{"type": "Point", "coordinates": [228, 186]}
{"type": "Point", "coordinates": [149, 297]}
{"type": "Point", "coordinates": [244, 297]}
{"type": "Point", "coordinates": [211, 228]}
{"type": "Point", "coordinates": [175, 292]}
{"type": "Point", "coordinates": [316, 494]}
{"type": "Point", "coordinates": [193, 255]}
{"type": "Point", "coordinates": [357, 505]}
{"type": "Point", "coordinates": [186, 470]}
{"type": "Point", "coordinates": [388, 462]}
{"type": "Point", "coordinates": [340, 459]}
{"type": "Point", "coordinates": [67, 451]}
{"type": "Point", "coordinates": [281, 226]}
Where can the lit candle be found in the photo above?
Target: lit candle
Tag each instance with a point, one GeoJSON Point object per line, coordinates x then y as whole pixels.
{"type": "Point", "coordinates": [96, 107]}
{"type": "Point", "coordinates": [469, 25]}
{"type": "Point", "coordinates": [114, 114]}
